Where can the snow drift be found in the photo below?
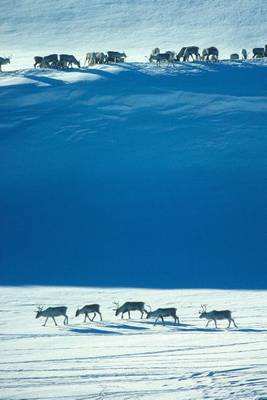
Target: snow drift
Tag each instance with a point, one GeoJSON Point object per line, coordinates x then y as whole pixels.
{"type": "Point", "coordinates": [135, 175]}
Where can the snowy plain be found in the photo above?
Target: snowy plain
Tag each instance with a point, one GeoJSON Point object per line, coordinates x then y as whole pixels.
{"type": "Point", "coordinates": [132, 359]}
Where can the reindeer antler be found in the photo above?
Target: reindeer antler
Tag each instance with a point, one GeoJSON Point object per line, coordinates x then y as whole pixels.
{"type": "Point", "coordinates": [117, 305]}
{"type": "Point", "coordinates": [204, 307]}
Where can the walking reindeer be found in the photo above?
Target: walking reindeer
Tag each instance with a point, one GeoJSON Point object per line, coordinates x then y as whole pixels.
{"type": "Point", "coordinates": [128, 307]}
{"type": "Point", "coordinates": [163, 312]}
{"type": "Point", "coordinates": [89, 309]}
{"type": "Point", "coordinates": [52, 312]}
{"type": "Point", "coordinates": [216, 315]}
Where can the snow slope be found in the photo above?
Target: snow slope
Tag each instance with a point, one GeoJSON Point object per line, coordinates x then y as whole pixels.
{"type": "Point", "coordinates": [132, 360]}
{"type": "Point", "coordinates": [38, 27]}
{"type": "Point", "coordinates": [135, 175]}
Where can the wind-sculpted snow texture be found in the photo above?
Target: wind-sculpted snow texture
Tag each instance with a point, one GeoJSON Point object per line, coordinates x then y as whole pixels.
{"type": "Point", "coordinates": [131, 359]}
{"type": "Point", "coordinates": [135, 175]}
{"type": "Point", "coordinates": [36, 27]}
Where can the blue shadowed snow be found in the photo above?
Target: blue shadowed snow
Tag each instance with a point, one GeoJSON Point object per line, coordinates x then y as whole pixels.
{"type": "Point", "coordinates": [135, 176]}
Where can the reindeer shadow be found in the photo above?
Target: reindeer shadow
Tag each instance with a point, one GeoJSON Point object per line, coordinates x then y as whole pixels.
{"type": "Point", "coordinates": [94, 331]}
{"type": "Point", "coordinates": [125, 326]}
{"type": "Point", "coordinates": [167, 323]}
{"type": "Point", "coordinates": [47, 78]}
{"type": "Point", "coordinates": [249, 330]}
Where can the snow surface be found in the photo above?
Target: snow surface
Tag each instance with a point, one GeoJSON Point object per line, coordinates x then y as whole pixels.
{"type": "Point", "coordinates": [134, 168]}
{"type": "Point", "coordinates": [38, 27]}
{"type": "Point", "coordinates": [132, 175]}
{"type": "Point", "coordinates": [132, 359]}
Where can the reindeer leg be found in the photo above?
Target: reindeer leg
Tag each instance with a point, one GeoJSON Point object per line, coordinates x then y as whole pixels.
{"type": "Point", "coordinates": [122, 315]}
{"type": "Point", "coordinates": [85, 315]}
{"type": "Point", "coordinates": [208, 322]}
{"type": "Point", "coordinates": [45, 321]}
{"type": "Point", "coordinates": [162, 319]}
{"type": "Point", "coordinates": [66, 320]}
{"type": "Point", "coordinates": [156, 320]}
{"type": "Point", "coordinates": [142, 313]}
{"type": "Point", "coordinates": [215, 322]}
{"type": "Point", "coordinates": [234, 322]}
{"type": "Point", "coordinates": [100, 316]}
{"type": "Point", "coordinates": [93, 317]}
{"type": "Point", "coordinates": [129, 315]}
{"type": "Point", "coordinates": [54, 320]}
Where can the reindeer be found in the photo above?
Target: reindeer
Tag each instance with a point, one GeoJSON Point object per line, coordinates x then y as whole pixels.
{"type": "Point", "coordinates": [181, 54]}
{"type": "Point", "coordinates": [52, 312]}
{"type": "Point", "coordinates": [4, 61]}
{"type": "Point", "coordinates": [101, 58]}
{"type": "Point", "coordinates": [258, 52]}
{"type": "Point", "coordinates": [168, 56]}
{"type": "Point", "coordinates": [212, 52]}
{"type": "Point", "coordinates": [95, 58]}
{"type": "Point", "coordinates": [234, 56]}
{"type": "Point", "coordinates": [88, 309]}
{"type": "Point", "coordinates": [216, 315]}
{"type": "Point", "coordinates": [38, 61]}
{"type": "Point", "coordinates": [67, 60]}
{"type": "Point", "coordinates": [190, 51]}
{"type": "Point", "coordinates": [130, 306]}
{"type": "Point", "coordinates": [115, 56]}
{"type": "Point", "coordinates": [163, 312]}
{"type": "Point", "coordinates": [244, 54]}
{"type": "Point", "coordinates": [50, 61]}
{"type": "Point", "coordinates": [90, 58]}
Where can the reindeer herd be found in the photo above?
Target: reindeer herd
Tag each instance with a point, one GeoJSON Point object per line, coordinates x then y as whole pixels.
{"type": "Point", "coordinates": [159, 313]}
{"type": "Point", "coordinates": [186, 54]}
{"type": "Point", "coordinates": [192, 53]}
{"type": "Point", "coordinates": [68, 60]}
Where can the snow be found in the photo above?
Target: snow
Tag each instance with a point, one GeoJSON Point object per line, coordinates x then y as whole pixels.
{"type": "Point", "coordinates": [132, 359]}
{"type": "Point", "coordinates": [173, 157]}
{"type": "Point", "coordinates": [30, 28]}
{"type": "Point", "coordinates": [133, 175]}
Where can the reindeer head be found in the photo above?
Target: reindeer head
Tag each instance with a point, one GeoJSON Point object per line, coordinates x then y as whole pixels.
{"type": "Point", "coordinates": [77, 312]}
{"type": "Point", "coordinates": [39, 312]}
{"type": "Point", "coordinates": [203, 312]}
{"type": "Point", "coordinates": [117, 305]}
{"type": "Point", "coordinates": [148, 313]}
